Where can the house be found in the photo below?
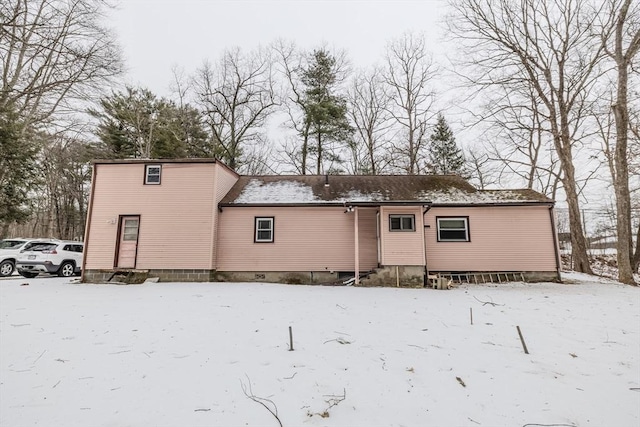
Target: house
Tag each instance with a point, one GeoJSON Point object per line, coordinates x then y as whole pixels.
{"type": "Point", "coordinates": [198, 220]}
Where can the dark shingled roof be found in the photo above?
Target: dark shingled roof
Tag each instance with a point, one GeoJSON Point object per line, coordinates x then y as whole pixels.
{"type": "Point", "coordinates": [369, 189]}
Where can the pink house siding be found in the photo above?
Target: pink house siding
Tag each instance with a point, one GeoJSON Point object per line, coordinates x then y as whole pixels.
{"type": "Point", "coordinates": [402, 247]}
{"type": "Point", "coordinates": [176, 220]}
{"type": "Point", "coordinates": [328, 242]}
{"type": "Point", "coordinates": [504, 238]}
{"type": "Point", "coordinates": [224, 180]}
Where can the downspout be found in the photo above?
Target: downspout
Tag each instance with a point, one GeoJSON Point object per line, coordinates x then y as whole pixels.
{"type": "Point", "coordinates": [555, 241]}
{"type": "Point", "coordinates": [381, 214]}
{"type": "Point", "coordinates": [424, 240]}
{"type": "Point", "coordinates": [357, 246]}
{"type": "Point", "coordinates": [87, 227]}
{"type": "Point", "coordinates": [378, 237]}
{"type": "Point", "coordinates": [213, 238]}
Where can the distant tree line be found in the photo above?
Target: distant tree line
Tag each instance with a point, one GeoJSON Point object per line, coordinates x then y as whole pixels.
{"type": "Point", "coordinates": [547, 85]}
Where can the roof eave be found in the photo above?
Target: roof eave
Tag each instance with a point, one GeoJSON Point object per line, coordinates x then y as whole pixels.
{"type": "Point", "coordinates": [486, 204]}
{"type": "Point", "coordinates": [147, 161]}
{"type": "Point", "coordinates": [385, 203]}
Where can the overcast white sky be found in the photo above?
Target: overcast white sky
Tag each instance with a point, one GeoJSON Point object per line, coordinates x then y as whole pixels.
{"type": "Point", "coordinates": [157, 34]}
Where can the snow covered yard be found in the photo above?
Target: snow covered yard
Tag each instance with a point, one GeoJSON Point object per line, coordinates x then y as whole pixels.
{"type": "Point", "coordinates": [172, 354]}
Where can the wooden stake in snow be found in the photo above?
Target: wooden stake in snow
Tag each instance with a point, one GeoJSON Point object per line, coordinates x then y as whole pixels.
{"type": "Point", "coordinates": [471, 314]}
{"type": "Point", "coordinates": [290, 339]}
{"type": "Point", "coordinates": [524, 346]}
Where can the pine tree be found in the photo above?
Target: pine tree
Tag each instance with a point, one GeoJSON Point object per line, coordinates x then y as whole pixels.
{"type": "Point", "coordinates": [136, 123]}
{"type": "Point", "coordinates": [444, 155]}
{"type": "Point", "coordinates": [325, 110]}
{"type": "Point", "coordinates": [19, 146]}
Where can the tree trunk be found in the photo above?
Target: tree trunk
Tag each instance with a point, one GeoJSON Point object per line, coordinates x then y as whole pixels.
{"type": "Point", "coordinates": [624, 243]}
{"type": "Point", "coordinates": [4, 230]}
{"type": "Point", "coordinates": [319, 162]}
{"type": "Point", "coordinates": [305, 149]}
{"type": "Point", "coordinates": [636, 255]}
{"type": "Point", "coordinates": [578, 240]}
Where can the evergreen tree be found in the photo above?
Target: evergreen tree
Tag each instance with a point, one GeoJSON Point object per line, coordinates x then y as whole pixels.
{"type": "Point", "coordinates": [325, 110]}
{"type": "Point", "coordinates": [136, 123]}
{"type": "Point", "coordinates": [18, 150]}
{"type": "Point", "coordinates": [444, 155]}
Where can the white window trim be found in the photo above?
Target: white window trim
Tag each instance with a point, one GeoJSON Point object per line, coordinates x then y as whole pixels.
{"type": "Point", "coordinates": [466, 228]}
{"type": "Point", "coordinates": [147, 175]}
{"type": "Point", "coordinates": [413, 221]}
{"type": "Point", "coordinates": [258, 219]}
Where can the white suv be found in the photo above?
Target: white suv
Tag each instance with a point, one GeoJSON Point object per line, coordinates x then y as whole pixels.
{"type": "Point", "coordinates": [9, 250]}
{"type": "Point", "coordinates": [63, 258]}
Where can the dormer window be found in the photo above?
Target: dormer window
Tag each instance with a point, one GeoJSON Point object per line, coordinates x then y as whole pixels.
{"type": "Point", "coordinates": [152, 174]}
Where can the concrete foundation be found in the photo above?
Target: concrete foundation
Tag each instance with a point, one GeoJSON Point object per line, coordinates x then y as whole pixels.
{"type": "Point", "coordinates": [388, 276]}
{"type": "Point", "coordinates": [498, 277]}
{"type": "Point", "coordinates": [289, 277]}
{"type": "Point", "coordinates": [168, 275]}
{"type": "Point", "coordinates": [406, 276]}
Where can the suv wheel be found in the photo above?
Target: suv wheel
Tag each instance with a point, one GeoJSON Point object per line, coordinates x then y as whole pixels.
{"type": "Point", "coordinates": [6, 268]}
{"type": "Point", "coordinates": [28, 274]}
{"type": "Point", "coordinates": [66, 269]}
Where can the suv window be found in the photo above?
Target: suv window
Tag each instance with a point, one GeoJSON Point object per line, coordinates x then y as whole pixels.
{"type": "Point", "coordinates": [10, 244]}
{"type": "Point", "coordinates": [73, 248]}
{"type": "Point", "coordinates": [41, 247]}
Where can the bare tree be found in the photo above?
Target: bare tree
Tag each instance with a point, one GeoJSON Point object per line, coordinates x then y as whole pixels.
{"type": "Point", "coordinates": [291, 62]}
{"type": "Point", "coordinates": [622, 46]}
{"type": "Point", "coordinates": [55, 56]}
{"type": "Point", "coordinates": [370, 118]}
{"type": "Point", "coordinates": [518, 139]}
{"type": "Point", "coordinates": [409, 70]}
{"type": "Point", "coordinates": [547, 45]}
{"type": "Point", "coordinates": [53, 53]}
{"type": "Point", "coordinates": [482, 173]}
{"type": "Point", "coordinates": [634, 171]}
{"type": "Point", "coordinates": [238, 96]}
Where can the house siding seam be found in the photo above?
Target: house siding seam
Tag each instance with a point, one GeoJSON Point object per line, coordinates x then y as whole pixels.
{"type": "Point", "coordinates": [224, 180]}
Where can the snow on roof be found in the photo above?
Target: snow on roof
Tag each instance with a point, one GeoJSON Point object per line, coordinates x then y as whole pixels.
{"type": "Point", "coordinates": [257, 191]}
{"type": "Point", "coordinates": [455, 196]}
{"type": "Point", "coordinates": [318, 189]}
{"type": "Point", "coordinates": [289, 192]}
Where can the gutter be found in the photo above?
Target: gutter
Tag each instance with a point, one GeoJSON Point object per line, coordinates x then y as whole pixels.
{"type": "Point", "coordinates": [325, 205]}
{"type": "Point", "coordinates": [378, 204]}
{"type": "Point", "coordinates": [154, 161]}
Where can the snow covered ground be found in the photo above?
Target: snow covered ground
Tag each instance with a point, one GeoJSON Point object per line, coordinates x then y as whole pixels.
{"type": "Point", "coordinates": [170, 354]}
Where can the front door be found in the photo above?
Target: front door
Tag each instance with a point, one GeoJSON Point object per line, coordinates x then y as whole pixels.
{"type": "Point", "coordinates": [128, 243]}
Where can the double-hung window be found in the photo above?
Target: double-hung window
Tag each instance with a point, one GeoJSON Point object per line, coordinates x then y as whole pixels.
{"type": "Point", "coordinates": [453, 229]}
{"type": "Point", "coordinates": [264, 230]}
{"type": "Point", "coordinates": [402, 223]}
{"type": "Point", "coordinates": [152, 174]}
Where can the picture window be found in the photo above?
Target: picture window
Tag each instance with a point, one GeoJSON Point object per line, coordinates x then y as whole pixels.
{"type": "Point", "coordinates": [453, 229]}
